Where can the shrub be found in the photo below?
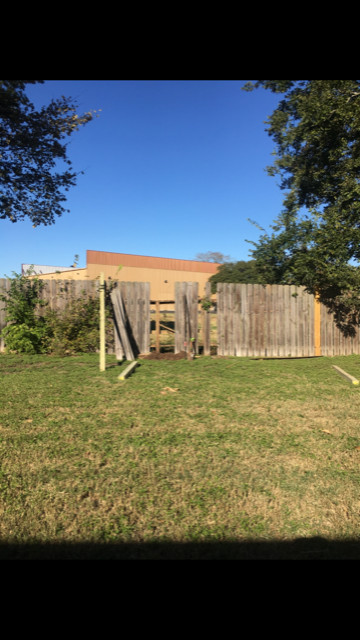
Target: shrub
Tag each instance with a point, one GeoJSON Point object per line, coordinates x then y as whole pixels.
{"type": "Point", "coordinates": [24, 339]}
{"type": "Point", "coordinates": [27, 331]}
{"type": "Point", "coordinates": [73, 330]}
{"type": "Point", "coordinates": [76, 328]}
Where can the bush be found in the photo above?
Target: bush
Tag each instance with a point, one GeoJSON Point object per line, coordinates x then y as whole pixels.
{"type": "Point", "coordinates": [27, 331]}
{"type": "Point", "coordinates": [24, 339]}
{"type": "Point", "coordinates": [73, 330]}
{"type": "Point", "coordinates": [76, 328]}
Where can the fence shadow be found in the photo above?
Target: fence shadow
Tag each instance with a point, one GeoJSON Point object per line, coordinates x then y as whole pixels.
{"type": "Point", "coordinates": [298, 549]}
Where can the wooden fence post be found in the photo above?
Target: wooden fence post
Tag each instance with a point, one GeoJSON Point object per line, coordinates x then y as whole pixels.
{"type": "Point", "coordinates": [157, 326]}
{"type": "Point", "coordinates": [317, 326]}
{"type": "Point", "coordinates": [206, 321]}
{"type": "Point", "coordinates": [102, 322]}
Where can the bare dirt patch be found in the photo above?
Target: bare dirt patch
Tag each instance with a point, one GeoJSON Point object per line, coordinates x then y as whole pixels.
{"type": "Point", "coordinates": [167, 355]}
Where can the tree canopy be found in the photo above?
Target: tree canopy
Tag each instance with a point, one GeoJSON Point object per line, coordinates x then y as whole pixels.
{"type": "Point", "coordinates": [242, 271]}
{"type": "Point", "coordinates": [315, 241]}
{"type": "Point", "coordinates": [32, 142]}
{"type": "Point", "coordinates": [212, 256]}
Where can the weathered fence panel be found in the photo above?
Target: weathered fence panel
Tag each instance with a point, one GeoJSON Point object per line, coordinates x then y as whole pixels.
{"type": "Point", "coordinates": [58, 293]}
{"type": "Point", "coordinates": [264, 321]}
{"type": "Point", "coordinates": [252, 320]}
{"type": "Point", "coordinates": [333, 340]}
{"type": "Point", "coordinates": [132, 304]}
{"type": "Point", "coordinates": [186, 315]}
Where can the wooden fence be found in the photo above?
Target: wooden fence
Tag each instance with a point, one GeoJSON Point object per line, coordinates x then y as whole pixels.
{"type": "Point", "coordinates": [277, 321]}
{"type": "Point", "coordinates": [271, 321]}
{"type": "Point", "coordinates": [332, 341]}
{"type": "Point", "coordinates": [250, 320]}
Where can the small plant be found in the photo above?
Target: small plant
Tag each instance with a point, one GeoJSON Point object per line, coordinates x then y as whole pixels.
{"type": "Point", "coordinates": [206, 304]}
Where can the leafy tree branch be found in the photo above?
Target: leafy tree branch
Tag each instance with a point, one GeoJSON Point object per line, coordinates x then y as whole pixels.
{"type": "Point", "coordinates": [315, 241]}
{"type": "Point", "coordinates": [32, 143]}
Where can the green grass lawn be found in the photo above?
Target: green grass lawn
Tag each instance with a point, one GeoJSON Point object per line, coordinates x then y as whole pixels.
{"type": "Point", "coordinates": [210, 458]}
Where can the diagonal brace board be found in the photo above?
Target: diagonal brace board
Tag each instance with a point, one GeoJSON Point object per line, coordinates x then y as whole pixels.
{"type": "Point", "coordinates": [120, 324]}
{"type": "Point", "coordinates": [129, 369]}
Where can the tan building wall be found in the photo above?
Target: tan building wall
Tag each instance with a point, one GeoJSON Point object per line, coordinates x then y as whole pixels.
{"type": "Point", "coordinates": [162, 273]}
{"type": "Point", "coordinates": [162, 281]}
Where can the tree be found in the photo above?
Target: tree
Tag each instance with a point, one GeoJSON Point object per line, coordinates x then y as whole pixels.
{"type": "Point", "coordinates": [316, 238]}
{"type": "Point", "coordinates": [212, 256]}
{"type": "Point", "coordinates": [241, 271]}
{"type": "Point", "coordinates": [31, 146]}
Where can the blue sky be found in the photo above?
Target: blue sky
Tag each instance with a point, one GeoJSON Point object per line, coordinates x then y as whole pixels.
{"type": "Point", "coordinates": [172, 168]}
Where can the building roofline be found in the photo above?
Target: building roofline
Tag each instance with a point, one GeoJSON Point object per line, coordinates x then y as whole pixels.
{"type": "Point", "coordinates": [141, 255]}
{"type": "Point", "coordinates": [112, 258]}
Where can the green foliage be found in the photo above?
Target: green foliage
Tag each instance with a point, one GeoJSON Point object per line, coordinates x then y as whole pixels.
{"type": "Point", "coordinates": [22, 298]}
{"type": "Point", "coordinates": [72, 330]}
{"type": "Point", "coordinates": [26, 332]}
{"type": "Point", "coordinates": [206, 304]}
{"type": "Point", "coordinates": [22, 338]}
{"type": "Point", "coordinates": [316, 238]}
{"type": "Point", "coordinates": [76, 328]}
{"type": "Point", "coordinates": [31, 147]}
{"type": "Point", "coordinates": [241, 271]}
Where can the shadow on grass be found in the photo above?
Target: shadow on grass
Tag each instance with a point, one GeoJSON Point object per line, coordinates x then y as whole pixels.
{"type": "Point", "coordinates": [298, 549]}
